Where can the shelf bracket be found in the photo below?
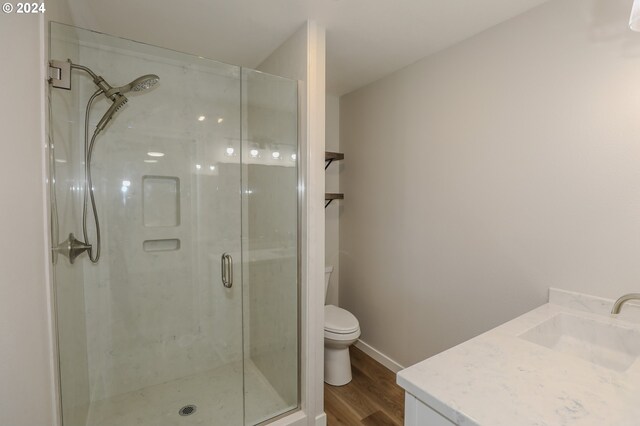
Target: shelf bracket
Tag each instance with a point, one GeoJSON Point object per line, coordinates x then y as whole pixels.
{"type": "Point", "coordinates": [330, 157]}
{"type": "Point", "coordinates": [329, 197]}
{"type": "Point", "coordinates": [328, 163]}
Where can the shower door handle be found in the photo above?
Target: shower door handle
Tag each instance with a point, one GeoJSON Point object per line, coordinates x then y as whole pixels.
{"type": "Point", "coordinates": [226, 269]}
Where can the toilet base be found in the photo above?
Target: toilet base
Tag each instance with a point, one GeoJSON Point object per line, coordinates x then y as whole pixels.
{"type": "Point", "coordinates": [337, 365]}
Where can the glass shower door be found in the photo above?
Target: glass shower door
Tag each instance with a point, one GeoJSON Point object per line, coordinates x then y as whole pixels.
{"type": "Point", "coordinates": [149, 335]}
{"type": "Point", "coordinates": [270, 244]}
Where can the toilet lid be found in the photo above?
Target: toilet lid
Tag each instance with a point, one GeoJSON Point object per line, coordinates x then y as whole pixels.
{"type": "Point", "coordinates": [339, 321]}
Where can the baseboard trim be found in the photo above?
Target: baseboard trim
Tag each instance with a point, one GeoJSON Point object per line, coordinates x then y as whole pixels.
{"type": "Point", "coordinates": [321, 420]}
{"type": "Point", "coordinates": [378, 356]}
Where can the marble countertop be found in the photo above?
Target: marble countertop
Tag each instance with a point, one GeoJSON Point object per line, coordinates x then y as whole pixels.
{"type": "Point", "coordinates": [498, 378]}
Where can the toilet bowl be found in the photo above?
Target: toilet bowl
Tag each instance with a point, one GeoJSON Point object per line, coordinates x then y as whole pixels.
{"type": "Point", "coordinates": [341, 330]}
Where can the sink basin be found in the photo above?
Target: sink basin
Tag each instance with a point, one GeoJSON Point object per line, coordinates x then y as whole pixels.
{"type": "Point", "coordinates": [606, 344]}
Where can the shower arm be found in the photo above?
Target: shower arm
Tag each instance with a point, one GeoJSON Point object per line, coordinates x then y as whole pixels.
{"type": "Point", "coordinates": [106, 88]}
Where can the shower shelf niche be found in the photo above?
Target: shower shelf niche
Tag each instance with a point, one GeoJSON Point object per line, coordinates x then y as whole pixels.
{"type": "Point", "coordinates": [330, 157]}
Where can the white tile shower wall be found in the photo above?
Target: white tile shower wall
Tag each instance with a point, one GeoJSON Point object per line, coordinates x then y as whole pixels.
{"type": "Point", "coordinates": [272, 282]}
{"type": "Point", "coordinates": [479, 177]}
{"type": "Point", "coordinates": [155, 317]}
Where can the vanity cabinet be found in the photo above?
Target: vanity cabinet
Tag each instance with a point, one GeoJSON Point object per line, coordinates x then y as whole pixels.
{"type": "Point", "coordinates": [523, 373]}
{"type": "Point", "coordinates": [417, 413]}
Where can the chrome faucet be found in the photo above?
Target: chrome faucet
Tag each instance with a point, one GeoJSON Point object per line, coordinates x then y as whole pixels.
{"type": "Point", "coordinates": [624, 299]}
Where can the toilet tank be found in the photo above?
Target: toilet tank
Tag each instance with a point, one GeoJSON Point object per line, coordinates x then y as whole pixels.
{"type": "Point", "coordinates": [327, 276]}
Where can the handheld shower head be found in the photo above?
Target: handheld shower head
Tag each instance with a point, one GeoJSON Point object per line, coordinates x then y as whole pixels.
{"type": "Point", "coordinates": [118, 102]}
{"type": "Point", "coordinates": [116, 95]}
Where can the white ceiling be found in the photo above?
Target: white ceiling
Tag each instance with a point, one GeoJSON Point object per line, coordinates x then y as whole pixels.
{"type": "Point", "coordinates": [366, 39]}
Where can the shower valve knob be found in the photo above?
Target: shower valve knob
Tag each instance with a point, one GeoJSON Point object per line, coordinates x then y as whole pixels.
{"type": "Point", "coordinates": [71, 248]}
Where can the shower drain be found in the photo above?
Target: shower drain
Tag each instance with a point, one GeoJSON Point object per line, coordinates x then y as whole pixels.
{"type": "Point", "coordinates": [187, 410]}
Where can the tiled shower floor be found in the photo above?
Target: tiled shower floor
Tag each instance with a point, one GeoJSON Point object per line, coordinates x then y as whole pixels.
{"type": "Point", "coordinates": [216, 393]}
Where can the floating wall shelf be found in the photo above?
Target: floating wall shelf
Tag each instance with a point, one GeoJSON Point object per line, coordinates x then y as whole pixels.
{"type": "Point", "coordinates": [328, 197]}
{"type": "Point", "coordinates": [330, 157]}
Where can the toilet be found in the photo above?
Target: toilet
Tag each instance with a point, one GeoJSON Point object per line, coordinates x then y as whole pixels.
{"type": "Point", "coordinates": [341, 330]}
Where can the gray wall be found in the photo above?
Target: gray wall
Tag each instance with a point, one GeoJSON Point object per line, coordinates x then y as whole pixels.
{"type": "Point", "coordinates": [482, 175]}
{"type": "Point", "coordinates": [332, 213]}
{"type": "Point", "coordinates": [25, 343]}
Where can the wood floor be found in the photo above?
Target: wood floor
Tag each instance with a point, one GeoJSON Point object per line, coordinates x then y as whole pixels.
{"type": "Point", "coordinates": [372, 397]}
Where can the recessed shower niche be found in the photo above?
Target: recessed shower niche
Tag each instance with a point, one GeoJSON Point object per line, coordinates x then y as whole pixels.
{"type": "Point", "coordinates": [161, 201]}
{"type": "Point", "coordinates": [194, 299]}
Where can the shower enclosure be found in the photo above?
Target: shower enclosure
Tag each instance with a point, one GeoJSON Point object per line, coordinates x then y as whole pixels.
{"type": "Point", "coordinates": [191, 313]}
